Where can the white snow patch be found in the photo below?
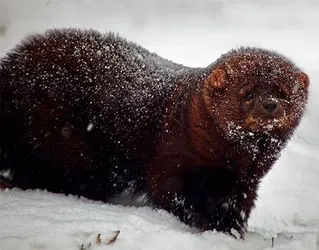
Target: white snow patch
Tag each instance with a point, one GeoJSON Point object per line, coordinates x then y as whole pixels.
{"type": "Point", "coordinates": [7, 174]}
{"type": "Point", "coordinates": [89, 127]}
{"type": "Point", "coordinates": [41, 220]}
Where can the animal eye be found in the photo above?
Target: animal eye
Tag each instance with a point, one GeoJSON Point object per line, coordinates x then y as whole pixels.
{"type": "Point", "coordinates": [249, 96]}
{"type": "Point", "coordinates": [247, 93]}
{"type": "Point", "coordinates": [281, 94]}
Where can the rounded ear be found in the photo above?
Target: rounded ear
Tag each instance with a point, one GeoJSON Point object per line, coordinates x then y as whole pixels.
{"type": "Point", "coordinates": [303, 80]}
{"type": "Point", "coordinates": [218, 79]}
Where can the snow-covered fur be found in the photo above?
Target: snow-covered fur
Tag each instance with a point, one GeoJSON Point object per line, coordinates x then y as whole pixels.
{"type": "Point", "coordinates": [93, 115]}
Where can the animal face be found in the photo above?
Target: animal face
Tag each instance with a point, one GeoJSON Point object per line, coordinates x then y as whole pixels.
{"type": "Point", "coordinates": [257, 93]}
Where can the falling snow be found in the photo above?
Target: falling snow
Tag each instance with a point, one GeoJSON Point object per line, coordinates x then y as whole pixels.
{"type": "Point", "coordinates": [89, 127]}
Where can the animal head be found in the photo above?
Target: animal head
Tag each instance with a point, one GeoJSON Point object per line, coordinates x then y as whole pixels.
{"type": "Point", "coordinates": [256, 91]}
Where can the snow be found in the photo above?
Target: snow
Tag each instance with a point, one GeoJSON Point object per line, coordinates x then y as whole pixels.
{"type": "Point", "coordinates": [193, 33]}
{"type": "Point", "coordinates": [89, 127]}
{"type": "Point", "coordinates": [41, 220]}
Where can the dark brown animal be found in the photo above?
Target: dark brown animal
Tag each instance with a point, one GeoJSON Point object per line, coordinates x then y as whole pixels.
{"type": "Point", "coordinates": [93, 115]}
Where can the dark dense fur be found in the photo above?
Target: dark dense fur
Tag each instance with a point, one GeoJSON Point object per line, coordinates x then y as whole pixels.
{"type": "Point", "coordinates": [93, 115]}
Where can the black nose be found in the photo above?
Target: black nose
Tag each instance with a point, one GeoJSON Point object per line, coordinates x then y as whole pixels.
{"type": "Point", "coordinates": [270, 106]}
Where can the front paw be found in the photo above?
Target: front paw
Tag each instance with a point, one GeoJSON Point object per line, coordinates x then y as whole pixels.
{"type": "Point", "coordinates": [238, 232]}
{"type": "Point", "coordinates": [221, 217]}
{"type": "Point", "coordinates": [230, 219]}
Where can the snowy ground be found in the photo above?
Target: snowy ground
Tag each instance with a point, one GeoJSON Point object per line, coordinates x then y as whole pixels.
{"type": "Point", "coordinates": [194, 33]}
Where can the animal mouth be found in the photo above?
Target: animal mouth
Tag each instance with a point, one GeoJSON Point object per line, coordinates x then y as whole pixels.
{"type": "Point", "coordinates": [266, 115]}
{"type": "Point", "coordinates": [264, 124]}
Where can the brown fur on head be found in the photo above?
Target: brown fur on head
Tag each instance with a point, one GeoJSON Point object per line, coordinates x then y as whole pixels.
{"type": "Point", "coordinates": [256, 91]}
